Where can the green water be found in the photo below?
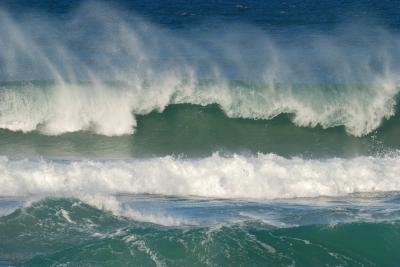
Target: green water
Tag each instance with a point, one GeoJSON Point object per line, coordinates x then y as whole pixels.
{"type": "Point", "coordinates": [198, 131]}
{"type": "Point", "coordinates": [42, 235]}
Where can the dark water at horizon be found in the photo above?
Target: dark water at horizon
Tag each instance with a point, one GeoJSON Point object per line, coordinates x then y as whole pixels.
{"type": "Point", "coordinates": [200, 133]}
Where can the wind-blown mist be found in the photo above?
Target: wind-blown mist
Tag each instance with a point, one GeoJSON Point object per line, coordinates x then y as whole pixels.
{"type": "Point", "coordinates": [99, 67]}
{"type": "Point", "coordinates": [187, 133]}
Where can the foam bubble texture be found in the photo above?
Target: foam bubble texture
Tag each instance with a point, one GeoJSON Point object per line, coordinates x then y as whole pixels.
{"type": "Point", "coordinates": [159, 67]}
{"type": "Point", "coordinates": [261, 177]}
{"type": "Point", "coordinates": [107, 110]}
{"type": "Point", "coordinates": [66, 108]}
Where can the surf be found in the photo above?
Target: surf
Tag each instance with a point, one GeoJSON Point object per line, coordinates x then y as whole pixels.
{"type": "Point", "coordinates": [257, 177]}
{"type": "Point", "coordinates": [84, 79]}
{"type": "Point", "coordinates": [87, 235]}
{"type": "Point", "coordinates": [109, 108]}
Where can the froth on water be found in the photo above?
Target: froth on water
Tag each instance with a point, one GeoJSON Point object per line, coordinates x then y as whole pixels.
{"type": "Point", "coordinates": [353, 72]}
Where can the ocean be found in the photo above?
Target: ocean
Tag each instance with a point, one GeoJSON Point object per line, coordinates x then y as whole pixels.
{"type": "Point", "coordinates": [199, 133]}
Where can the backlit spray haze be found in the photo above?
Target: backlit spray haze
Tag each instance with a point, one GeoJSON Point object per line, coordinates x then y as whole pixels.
{"type": "Point", "coordinates": [99, 67]}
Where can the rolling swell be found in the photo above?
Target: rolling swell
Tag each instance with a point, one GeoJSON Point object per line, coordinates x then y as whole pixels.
{"type": "Point", "coordinates": [72, 233]}
{"type": "Point", "coordinates": [59, 107]}
{"type": "Point", "coordinates": [197, 119]}
{"type": "Point", "coordinates": [194, 130]}
{"type": "Point", "coordinates": [45, 118]}
{"type": "Point", "coordinates": [189, 137]}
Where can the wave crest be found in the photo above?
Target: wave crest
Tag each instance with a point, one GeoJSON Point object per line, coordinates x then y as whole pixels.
{"type": "Point", "coordinates": [262, 177]}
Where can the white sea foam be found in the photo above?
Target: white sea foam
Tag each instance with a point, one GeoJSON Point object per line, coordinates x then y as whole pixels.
{"type": "Point", "coordinates": [66, 109]}
{"type": "Point", "coordinates": [260, 177]}
{"type": "Point", "coordinates": [159, 67]}
{"type": "Point", "coordinates": [111, 204]}
{"type": "Point", "coordinates": [65, 214]}
{"type": "Point", "coordinates": [110, 111]}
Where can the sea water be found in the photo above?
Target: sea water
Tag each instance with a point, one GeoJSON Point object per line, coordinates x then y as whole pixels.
{"type": "Point", "coordinates": [202, 133]}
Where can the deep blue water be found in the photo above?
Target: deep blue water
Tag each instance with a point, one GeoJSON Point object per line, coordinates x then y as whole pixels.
{"type": "Point", "coordinates": [199, 133]}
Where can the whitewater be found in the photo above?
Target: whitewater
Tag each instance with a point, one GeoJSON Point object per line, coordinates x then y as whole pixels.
{"type": "Point", "coordinates": [261, 177]}
{"type": "Point", "coordinates": [72, 82]}
{"type": "Point", "coordinates": [190, 134]}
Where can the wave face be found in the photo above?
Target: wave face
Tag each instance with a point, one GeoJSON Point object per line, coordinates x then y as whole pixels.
{"type": "Point", "coordinates": [88, 236]}
{"type": "Point", "coordinates": [54, 108]}
{"type": "Point", "coordinates": [186, 133]}
{"type": "Point", "coordinates": [199, 131]}
{"type": "Point", "coordinates": [346, 78]}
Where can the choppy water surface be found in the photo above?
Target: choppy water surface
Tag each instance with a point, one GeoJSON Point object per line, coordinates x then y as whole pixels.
{"type": "Point", "coordinates": [199, 134]}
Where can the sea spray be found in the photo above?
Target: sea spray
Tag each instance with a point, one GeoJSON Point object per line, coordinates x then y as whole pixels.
{"type": "Point", "coordinates": [109, 108]}
{"type": "Point", "coordinates": [185, 133]}
{"type": "Point", "coordinates": [336, 84]}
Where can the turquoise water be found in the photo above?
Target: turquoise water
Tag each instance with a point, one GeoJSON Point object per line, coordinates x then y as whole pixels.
{"type": "Point", "coordinates": [212, 232]}
{"type": "Point", "coordinates": [259, 118]}
{"type": "Point", "coordinates": [199, 133]}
